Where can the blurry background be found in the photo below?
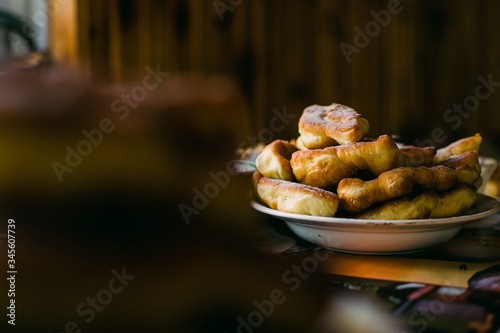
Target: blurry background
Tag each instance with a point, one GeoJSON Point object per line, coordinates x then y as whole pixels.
{"type": "Point", "coordinates": [30, 11]}
{"type": "Point", "coordinates": [426, 59]}
{"type": "Point", "coordinates": [230, 64]}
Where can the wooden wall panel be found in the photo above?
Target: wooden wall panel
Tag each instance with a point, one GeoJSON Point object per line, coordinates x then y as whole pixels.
{"type": "Point", "coordinates": [287, 53]}
{"type": "Point", "coordinates": [491, 50]}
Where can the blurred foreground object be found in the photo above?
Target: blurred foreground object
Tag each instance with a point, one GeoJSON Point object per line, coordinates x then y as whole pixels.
{"type": "Point", "coordinates": [94, 176]}
{"type": "Point", "coordinates": [18, 49]}
{"type": "Point", "coordinates": [60, 134]}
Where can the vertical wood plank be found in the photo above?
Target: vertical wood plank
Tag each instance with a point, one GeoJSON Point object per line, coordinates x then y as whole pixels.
{"type": "Point", "coordinates": [144, 33]}
{"type": "Point", "coordinates": [491, 52]}
{"type": "Point", "coordinates": [63, 32]}
{"type": "Point", "coordinates": [115, 50]}
{"type": "Point", "coordinates": [197, 37]}
{"type": "Point", "coordinates": [83, 37]}
{"type": "Point", "coordinates": [99, 40]}
{"type": "Point", "coordinates": [295, 86]}
{"type": "Point", "coordinates": [326, 51]}
{"type": "Point", "coordinates": [157, 43]}
{"type": "Point", "coordinates": [258, 47]}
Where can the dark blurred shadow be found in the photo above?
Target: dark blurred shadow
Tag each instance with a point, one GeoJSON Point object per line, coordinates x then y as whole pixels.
{"type": "Point", "coordinates": [95, 175]}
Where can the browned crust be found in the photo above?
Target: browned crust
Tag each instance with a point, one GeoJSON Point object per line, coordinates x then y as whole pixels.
{"type": "Point", "coordinates": [274, 161]}
{"type": "Point", "coordinates": [324, 168]}
{"type": "Point", "coordinates": [357, 195]}
{"type": "Point", "coordinates": [458, 147]}
{"type": "Point", "coordinates": [323, 126]}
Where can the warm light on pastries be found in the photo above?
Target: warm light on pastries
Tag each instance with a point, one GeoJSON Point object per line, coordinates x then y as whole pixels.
{"type": "Point", "coordinates": [426, 205]}
{"type": "Point", "coordinates": [274, 161]}
{"type": "Point", "coordinates": [357, 195]}
{"type": "Point", "coordinates": [458, 147]}
{"type": "Point", "coordinates": [324, 126]}
{"type": "Point", "coordinates": [324, 168]}
{"type": "Point", "coordinates": [332, 169]}
{"type": "Point", "coordinates": [295, 198]}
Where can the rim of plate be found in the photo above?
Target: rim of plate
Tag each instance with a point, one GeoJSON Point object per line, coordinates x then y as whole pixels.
{"type": "Point", "coordinates": [485, 206]}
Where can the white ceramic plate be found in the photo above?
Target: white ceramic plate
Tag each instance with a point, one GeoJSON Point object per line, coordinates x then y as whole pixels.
{"type": "Point", "coordinates": [380, 236]}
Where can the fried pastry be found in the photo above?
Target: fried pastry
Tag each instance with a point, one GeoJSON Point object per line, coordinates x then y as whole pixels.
{"type": "Point", "coordinates": [300, 144]}
{"type": "Point", "coordinates": [416, 156]}
{"type": "Point", "coordinates": [274, 161]}
{"type": "Point", "coordinates": [389, 180]}
{"type": "Point", "coordinates": [458, 147]}
{"type": "Point", "coordinates": [295, 198]}
{"type": "Point", "coordinates": [425, 205]}
{"type": "Point", "coordinates": [324, 168]}
{"type": "Point", "coordinates": [324, 126]}
{"type": "Point", "coordinates": [466, 160]}
{"type": "Point", "coordinates": [357, 195]}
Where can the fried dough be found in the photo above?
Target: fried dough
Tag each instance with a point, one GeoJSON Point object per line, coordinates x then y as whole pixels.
{"type": "Point", "coordinates": [458, 147]}
{"type": "Point", "coordinates": [324, 126]}
{"type": "Point", "coordinates": [356, 195]}
{"type": "Point", "coordinates": [416, 156]}
{"type": "Point", "coordinates": [295, 198]}
{"type": "Point", "coordinates": [274, 161]}
{"type": "Point", "coordinates": [425, 205]}
{"type": "Point", "coordinates": [324, 168]}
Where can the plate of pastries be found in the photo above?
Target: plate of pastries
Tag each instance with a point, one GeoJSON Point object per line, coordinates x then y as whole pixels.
{"type": "Point", "coordinates": [338, 189]}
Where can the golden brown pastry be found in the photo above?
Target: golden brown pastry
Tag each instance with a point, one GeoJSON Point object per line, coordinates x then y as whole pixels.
{"type": "Point", "coordinates": [356, 195]}
{"type": "Point", "coordinates": [295, 198]}
{"type": "Point", "coordinates": [458, 147]}
{"type": "Point", "coordinates": [324, 126]}
{"type": "Point", "coordinates": [416, 156]}
{"type": "Point", "coordinates": [324, 168]}
{"type": "Point", "coordinates": [425, 205]}
{"type": "Point", "coordinates": [274, 161]}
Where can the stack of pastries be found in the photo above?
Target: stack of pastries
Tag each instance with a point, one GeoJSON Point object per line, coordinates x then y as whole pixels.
{"type": "Point", "coordinates": [331, 169]}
